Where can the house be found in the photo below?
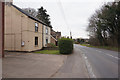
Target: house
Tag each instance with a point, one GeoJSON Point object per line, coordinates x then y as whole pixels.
{"type": "Point", "coordinates": [54, 40]}
{"type": "Point", "coordinates": [58, 35]}
{"type": "Point", "coordinates": [46, 35]}
{"type": "Point", "coordinates": [55, 36]}
{"type": "Point", "coordinates": [23, 32]}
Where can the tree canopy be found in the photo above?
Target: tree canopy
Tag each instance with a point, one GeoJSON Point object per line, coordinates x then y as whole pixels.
{"type": "Point", "coordinates": [31, 11]}
{"type": "Point", "coordinates": [43, 16]}
{"type": "Point", "coordinates": [104, 25]}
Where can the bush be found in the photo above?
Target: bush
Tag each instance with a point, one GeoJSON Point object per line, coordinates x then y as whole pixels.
{"type": "Point", "coordinates": [51, 45]}
{"type": "Point", "coordinates": [65, 45]}
{"type": "Point", "coordinates": [76, 42]}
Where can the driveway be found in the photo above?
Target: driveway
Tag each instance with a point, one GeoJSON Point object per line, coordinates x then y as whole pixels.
{"type": "Point", "coordinates": [31, 65]}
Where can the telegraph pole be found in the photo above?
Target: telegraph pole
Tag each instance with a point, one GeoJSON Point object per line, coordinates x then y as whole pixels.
{"type": "Point", "coordinates": [70, 34]}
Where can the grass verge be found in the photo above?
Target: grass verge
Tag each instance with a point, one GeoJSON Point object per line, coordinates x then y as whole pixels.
{"type": "Point", "coordinates": [48, 52]}
{"type": "Point", "coordinates": [102, 47]}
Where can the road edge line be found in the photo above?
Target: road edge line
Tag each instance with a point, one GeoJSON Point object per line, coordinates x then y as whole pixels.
{"type": "Point", "coordinates": [88, 66]}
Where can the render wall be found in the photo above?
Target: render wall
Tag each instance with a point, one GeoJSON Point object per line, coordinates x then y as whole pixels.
{"type": "Point", "coordinates": [13, 23]}
{"type": "Point", "coordinates": [46, 35]}
{"type": "Point", "coordinates": [20, 28]}
{"type": "Point", "coordinates": [33, 34]}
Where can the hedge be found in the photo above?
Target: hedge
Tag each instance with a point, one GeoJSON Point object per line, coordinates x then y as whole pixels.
{"type": "Point", "coordinates": [65, 46]}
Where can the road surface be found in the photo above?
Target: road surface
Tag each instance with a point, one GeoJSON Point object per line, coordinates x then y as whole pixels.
{"type": "Point", "coordinates": [104, 63]}
{"type": "Point", "coordinates": [73, 67]}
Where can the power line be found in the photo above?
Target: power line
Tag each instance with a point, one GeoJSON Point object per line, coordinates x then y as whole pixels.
{"type": "Point", "coordinates": [63, 13]}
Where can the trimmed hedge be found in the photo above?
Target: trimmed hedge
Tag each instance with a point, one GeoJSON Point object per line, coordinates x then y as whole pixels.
{"type": "Point", "coordinates": [65, 46]}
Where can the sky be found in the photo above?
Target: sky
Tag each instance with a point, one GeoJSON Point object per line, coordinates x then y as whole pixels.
{"type": "Point", "coordinates": [66, 15]}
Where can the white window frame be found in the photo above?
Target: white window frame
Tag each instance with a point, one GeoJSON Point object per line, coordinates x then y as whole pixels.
{"type": "Point", "coordinates": [46, 30]}
{"type": "Point", "coordinates": [36, 27]}
{"type": "Point", "coordinates": [46, 40]}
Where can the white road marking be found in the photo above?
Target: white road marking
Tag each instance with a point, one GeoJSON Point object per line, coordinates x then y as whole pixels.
{"type": "Point", "coordinates": [89, 68]}
{"type": "Point", "coordinates": [98, 51]}
{"type": "Point", "coordinates": [112, 56]}
{"type": "Point", "coordinates": [109, 55]}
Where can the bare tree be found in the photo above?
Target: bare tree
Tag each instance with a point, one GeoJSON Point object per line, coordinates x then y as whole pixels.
{"type": "Point", "coordinates": [104, 25]}
{"type": "Point", "coordinates": [31, 11]}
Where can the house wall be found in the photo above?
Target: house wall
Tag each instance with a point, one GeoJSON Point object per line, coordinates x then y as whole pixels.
{"type": "Point", "coordinates": [53, 41]}
{"type": "Point", "coordinates": [56, 35]}
{"type": "Point", "coordinates": [13, 23]}
{"type": "Point", "coordinates": [33, 34]}
{"type": "Point", "coordinates": [19, 28]}
{"type": "Point", "coordinates": [46, 35]}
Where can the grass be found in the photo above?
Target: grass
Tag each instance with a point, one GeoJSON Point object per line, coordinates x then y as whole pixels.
{"type": "Point", "coordinates": [48, 52]}
{"type": "Point", "coordinates": [102, 47]}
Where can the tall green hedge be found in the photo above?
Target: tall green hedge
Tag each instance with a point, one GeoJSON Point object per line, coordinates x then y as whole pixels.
{"type": "Point", "coordinates": [65, 45]}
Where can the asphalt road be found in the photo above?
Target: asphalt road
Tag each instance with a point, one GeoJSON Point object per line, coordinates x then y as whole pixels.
{"type": "Point", "coordinates": [104, 63]}
{"type": "Point", "coordinates": [73, 67]}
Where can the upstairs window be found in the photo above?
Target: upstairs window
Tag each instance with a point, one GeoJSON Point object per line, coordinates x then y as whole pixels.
{"type": "Point", "coordinates": [36, 41]}
{"type": "Point", "coordinates": [36, 27]}
{"type": "Point", "coordinates": [46, 30]}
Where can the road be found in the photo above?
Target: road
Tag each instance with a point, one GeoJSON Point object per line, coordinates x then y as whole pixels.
{"type": "Point", "coordinates": [104, 63]}
{"type": "Point", "coordinates": [73, 67]}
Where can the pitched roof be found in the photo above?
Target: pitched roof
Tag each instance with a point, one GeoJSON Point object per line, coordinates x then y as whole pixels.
{"type": "Point", "coordinates": [30, 15]}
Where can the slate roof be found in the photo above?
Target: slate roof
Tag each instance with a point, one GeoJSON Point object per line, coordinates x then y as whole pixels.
{"type": "Point", "coordinates": [30, 15]}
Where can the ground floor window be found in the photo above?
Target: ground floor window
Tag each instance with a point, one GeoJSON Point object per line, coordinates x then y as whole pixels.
{"type": "Point", "coordinates": [46, 41]}
{"type": "Point", "coordinates": [36, 41]}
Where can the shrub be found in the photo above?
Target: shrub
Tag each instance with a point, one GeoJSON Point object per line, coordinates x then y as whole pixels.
{"type": "Point", "coordinates": [51, 45]}
{"type": "Point", "coordinates": [65, 45]}
{"type": "Point", "coordinates": [76, 42]}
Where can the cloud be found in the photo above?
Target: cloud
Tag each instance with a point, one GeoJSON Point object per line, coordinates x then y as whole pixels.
{"type": "Point", "coordinates": [66, 15]}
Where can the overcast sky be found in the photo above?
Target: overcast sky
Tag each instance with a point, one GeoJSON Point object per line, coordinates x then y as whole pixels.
{"type": "Point", "coordinates": [66, 15]}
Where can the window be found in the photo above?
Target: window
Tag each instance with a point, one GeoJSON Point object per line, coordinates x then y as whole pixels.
{"type": "Point", "coordinates": [36, 41]}
{"type": "Point", "coordinates": [46, 30]}
{"type": "Point", "coordinates": [23, 43]}
{"type": "Point", "coordinates": [36, 27]}
{"type": "Point", "coordinates": [46, 40]}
